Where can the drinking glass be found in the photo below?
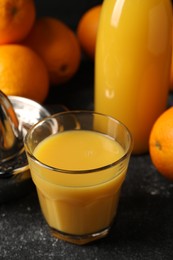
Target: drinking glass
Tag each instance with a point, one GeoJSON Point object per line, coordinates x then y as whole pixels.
{"type": "Point", "coordinates": [78, 162]}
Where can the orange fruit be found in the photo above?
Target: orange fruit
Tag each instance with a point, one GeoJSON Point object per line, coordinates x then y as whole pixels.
{"type": "Point", "coordinates": [23, 73]}
{"type": "Point", "coordinates": [58, 46]}
{"type": "Point", "coordinates": [16, 19]}
{"type": "Point", "coordinates": [87, 30]}
{"type": "Point", "coordinates": [161, 143]}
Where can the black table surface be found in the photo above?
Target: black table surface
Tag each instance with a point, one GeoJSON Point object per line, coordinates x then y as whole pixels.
{"type": "Point", "coordinates": [143, 228]}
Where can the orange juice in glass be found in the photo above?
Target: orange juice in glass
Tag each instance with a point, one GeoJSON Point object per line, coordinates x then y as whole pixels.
{"type": "Point", "coordinates": [78, 167]}
{"type": "Point", "coordinates": [132, 63]}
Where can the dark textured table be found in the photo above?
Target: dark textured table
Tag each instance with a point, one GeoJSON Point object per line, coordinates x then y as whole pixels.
{"type": "Point", "coordinates": [143, 229]}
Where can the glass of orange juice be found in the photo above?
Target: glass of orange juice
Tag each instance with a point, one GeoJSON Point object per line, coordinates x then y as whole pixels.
{"type": "Point", "coordinates": [78, 162]}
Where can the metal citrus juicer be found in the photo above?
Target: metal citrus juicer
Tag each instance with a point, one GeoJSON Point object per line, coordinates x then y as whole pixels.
{"type": "Point", "coordinates": [17, 115]}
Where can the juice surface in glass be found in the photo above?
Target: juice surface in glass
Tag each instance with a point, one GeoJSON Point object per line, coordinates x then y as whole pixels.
{"type": "Point", "coordinates": [132, 65]}
{"type": "Point", "coordinates": [78, 203]}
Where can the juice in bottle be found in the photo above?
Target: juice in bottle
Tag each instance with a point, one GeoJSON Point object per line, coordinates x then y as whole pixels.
{"type": "Point", "coordinates": [132, 64]}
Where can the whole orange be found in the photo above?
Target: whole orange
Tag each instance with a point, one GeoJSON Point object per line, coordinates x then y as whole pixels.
{"type": "Point", "coordinates": [161, 144]}
{"type": "Point", "coordinates": [58, 46]}
{"type": "Point", "coordinates": [16, 19]}
{"type": "Point", "coordinates": [23, 73]}
{"type": "Point", "coordinates": [87, 30]}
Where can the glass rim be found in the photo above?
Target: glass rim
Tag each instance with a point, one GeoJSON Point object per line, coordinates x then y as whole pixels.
{"type": "Point", "coordinates": [88, 171]}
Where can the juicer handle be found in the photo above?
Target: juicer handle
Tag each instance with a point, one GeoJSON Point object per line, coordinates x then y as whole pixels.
{"type": "Point", "coordinates": [11, 137]}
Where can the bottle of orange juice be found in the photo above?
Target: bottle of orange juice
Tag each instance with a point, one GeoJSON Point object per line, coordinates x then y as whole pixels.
{"type": "Point", "coordinates": [132, 63]}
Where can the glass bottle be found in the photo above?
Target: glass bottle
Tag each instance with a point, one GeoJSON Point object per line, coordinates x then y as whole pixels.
{"type": "Point", "coordinates": [132, 64]}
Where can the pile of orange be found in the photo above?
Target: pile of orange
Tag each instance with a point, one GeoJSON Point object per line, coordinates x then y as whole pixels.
{"type": "Point", "coordinates": [34, 54]}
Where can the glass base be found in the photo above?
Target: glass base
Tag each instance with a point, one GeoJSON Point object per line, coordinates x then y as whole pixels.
{"type": "Point", "coordinates": [79, 239]}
